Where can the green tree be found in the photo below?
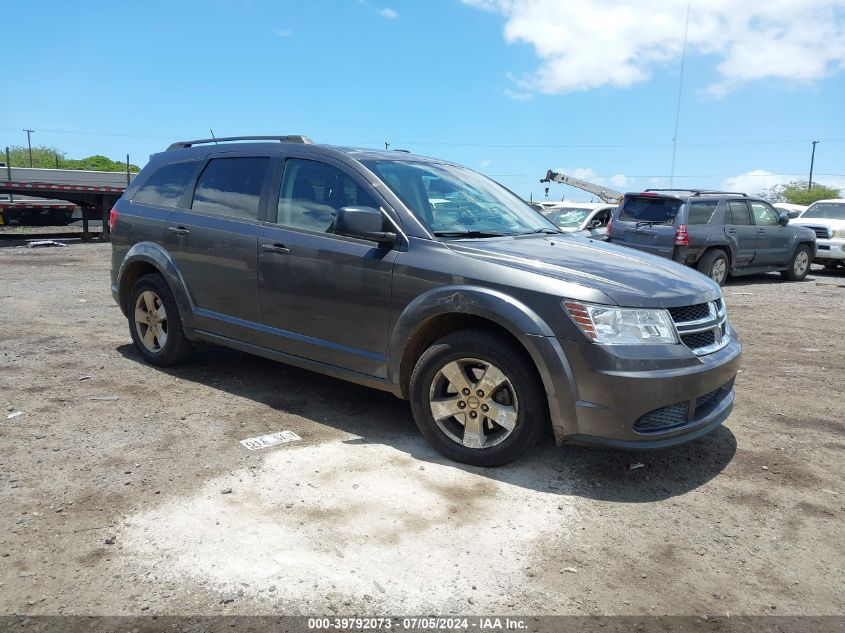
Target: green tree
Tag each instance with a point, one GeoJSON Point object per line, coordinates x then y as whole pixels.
{"type": "Point", "coordinates": [51, 158]}
{"type": "Point", "coordinates": [796, 192]}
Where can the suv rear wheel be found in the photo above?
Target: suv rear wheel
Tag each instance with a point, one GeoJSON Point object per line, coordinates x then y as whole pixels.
{"type": "Point", "coordinates": [799, 266]}
{"type": "Point", "coordinates": [155, 324]}
{"type": "Point", "coordinates": [476, 398]}
{"type": "Point", "coordinates": [714, 264]}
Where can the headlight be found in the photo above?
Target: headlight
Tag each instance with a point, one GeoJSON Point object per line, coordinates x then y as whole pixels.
{"type": "Point", "coordinates": [608, 325]}
{"type": "Point", "coordinates": [838, 233]}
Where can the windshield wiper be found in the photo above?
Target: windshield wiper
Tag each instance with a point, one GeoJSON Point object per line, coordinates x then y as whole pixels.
{"type": "Point", "coordinates": [469, 234]}
{"type": "Point", "coordinates": [546, 231]}
{"type": "Point", "coordinates": [647, 223]}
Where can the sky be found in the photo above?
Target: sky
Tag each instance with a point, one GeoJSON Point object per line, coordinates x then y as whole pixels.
{"type": "Point", "coordinates": [511, 88]}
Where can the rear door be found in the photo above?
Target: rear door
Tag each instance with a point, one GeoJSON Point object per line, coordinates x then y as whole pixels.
{"type": "Point", "coordinates": [324, 296]}
{"type": "Point", "coordinates": [740, 230]}
{"type": "Point", "coordinates": [214, 242]}
{"type": "Point", "coordinates": [647, 222]}
{"type": "Point", "coordinates": [772, 237]}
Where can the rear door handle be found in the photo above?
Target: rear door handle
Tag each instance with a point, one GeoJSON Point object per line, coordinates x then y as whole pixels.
{"type": "Point", "coordinates": [177, 230]}
{"type": "Point", "coordinates": [276, 248]}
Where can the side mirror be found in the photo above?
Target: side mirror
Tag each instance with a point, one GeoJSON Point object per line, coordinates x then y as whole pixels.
{"type": "Point", "coordinates": [793, 214]}
{"type": "Point", "coordinates": [365, 223]}
{"type": "Point", "coordinates": [783, 219]}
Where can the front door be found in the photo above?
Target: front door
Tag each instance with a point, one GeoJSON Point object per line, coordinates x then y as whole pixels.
{"type": "Point", "coordinates": [740, 230]}
{"type": "Point", "coordinates": [772, 237]}
{"type": "Point", "coordinates": [324, 296]}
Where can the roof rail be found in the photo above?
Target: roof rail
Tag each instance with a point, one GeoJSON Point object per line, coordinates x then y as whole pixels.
{"type": "Point", "coordinates": [699, 192]}
{"type": "Point", "coordinates": [290, 138]}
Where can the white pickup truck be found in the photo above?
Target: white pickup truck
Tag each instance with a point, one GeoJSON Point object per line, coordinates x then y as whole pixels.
{"type": "Point", "coordinates": [827, 219]}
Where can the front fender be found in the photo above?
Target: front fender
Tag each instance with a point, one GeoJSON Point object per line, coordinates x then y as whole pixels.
{"type": "Point", "coordinates": [518, 319]}
{"type": "Point", "coordinates": [154, 255]}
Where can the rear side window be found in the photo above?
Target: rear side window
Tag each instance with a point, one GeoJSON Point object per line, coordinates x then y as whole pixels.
{"type": "Point", "coordinates": [700, 211]}
{"type": "Point", "coordinates": [166, 185]}
{"type": "Point", "coordinates": [231, 187]}
{"type": "Point", "coordinates": [738, 213]}
{"type": "Point", "coordinates": [653, 209]}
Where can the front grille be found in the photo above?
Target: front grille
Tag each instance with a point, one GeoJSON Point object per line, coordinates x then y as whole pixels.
{"type": "Point", "coordinates": [702, 326]}
{"type": "Point", "coordinates": [820, 231]}
{"type": "Point", "coordinates": [699, 339]}
{"type": "Point", "coordinates": [690, 313]}
{"type": "Point", "coordinates": [663, 418]}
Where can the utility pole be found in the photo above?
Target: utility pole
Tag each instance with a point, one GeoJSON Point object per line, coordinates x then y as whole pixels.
{"type": "Point", "coordinates": [812, 160]}
{"type": "Point", "coordinates": [29, 143]}
{"type": "Point", "coordinates": [386, 145]}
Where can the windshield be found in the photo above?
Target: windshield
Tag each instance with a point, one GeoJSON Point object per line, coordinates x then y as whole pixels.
{"type": "Point", "coordinates": [829, 210]}
{"type": "Point", "coordinates": [458, 202]}
{"type": "Point", "coordinates": [566, 218]}
{"type": "Point", "coordinates": [650, 210]}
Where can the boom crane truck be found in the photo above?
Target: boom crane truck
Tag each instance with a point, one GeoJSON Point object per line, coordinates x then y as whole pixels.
{"type": "Point", "coordinates": [609, 196]}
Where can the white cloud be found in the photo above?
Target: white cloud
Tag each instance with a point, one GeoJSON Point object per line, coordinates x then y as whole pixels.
{"type": "Point", "coordinates": [485, 163]}
{"type": "Point", "coordinates": [520, 95]}
{"type": "Point", "coordinates": [284, 32]}
{"type": "Point", "coordinates": [757, 180]}
{"type": "Point", "coordinates": [390, 14]}
{"type": "Point", "coordinates": [754, 181]}
{"type": "Point", "coordinates": [585, 44]}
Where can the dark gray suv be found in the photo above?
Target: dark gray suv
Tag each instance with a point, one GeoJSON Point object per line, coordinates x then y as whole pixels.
{"type": "Point", "coordinates": [424, 279]}
{"type": "Point", "coordinates": [719, 233]}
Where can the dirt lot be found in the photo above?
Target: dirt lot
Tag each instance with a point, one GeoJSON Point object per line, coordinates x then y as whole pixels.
{"type": "Point", "coordinates": [124, 489]}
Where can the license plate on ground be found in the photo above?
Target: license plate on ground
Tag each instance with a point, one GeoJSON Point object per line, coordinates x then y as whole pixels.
{"type": "Point", "coordinates": [271, 439]}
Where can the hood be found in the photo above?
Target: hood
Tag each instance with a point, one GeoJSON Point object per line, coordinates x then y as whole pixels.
{"type": "Point", "coordinates": [831, 222]}
{"type": "Point", "coordinates": [630, 278]}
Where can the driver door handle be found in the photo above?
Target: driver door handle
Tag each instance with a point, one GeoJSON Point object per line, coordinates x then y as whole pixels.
{"type": "Point", "coordinates": [275, 248]}
{"type": "Point", "coordinates": [177, 230]}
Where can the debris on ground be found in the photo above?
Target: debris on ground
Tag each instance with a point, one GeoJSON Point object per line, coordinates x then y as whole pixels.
{"type": "Point", "coordinates": [44, 243]}
{"type": "Point", "coordinates": [635, 466]}
{"type": "Point", "coordinates": [14, 415]}
{"type": "Point", "coordinates": [105, 398]}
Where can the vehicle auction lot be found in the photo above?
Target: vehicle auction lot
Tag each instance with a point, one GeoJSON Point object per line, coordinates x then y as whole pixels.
{"type": "Point", "coordinates": [124, 488]}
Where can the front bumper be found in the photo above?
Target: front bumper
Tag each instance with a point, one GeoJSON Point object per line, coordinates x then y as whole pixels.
{"type": "Point", "coordinates": [638, 397]}
{"type": "Point", "coordinates": [829, 249]}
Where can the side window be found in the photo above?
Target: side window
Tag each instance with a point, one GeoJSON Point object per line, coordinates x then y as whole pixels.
{"type": "Point", "coordinates": [231, 187]}
{"type": "Point", "coordinates": [166, 185]}
{"type": "Point", "coordinates": [701, 211]}
{"type": "Point", "coordinates": [312, 192]}
{"type": "Point", "coordinates": [738, 213]}
{"type": "Point", "coordinates": [764, 215]}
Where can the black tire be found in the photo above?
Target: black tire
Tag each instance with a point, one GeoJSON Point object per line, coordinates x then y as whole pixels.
{"type": "Point", "coordinates": [833, 264]}
{"type": "Point", "coordinates": [523, 381]}
{"type": "Point", "coordinates": [795, 263]}
{"type": "Point", "coordinates": [713, 261]}
{"type": "Point", "coordinates": [176, 347]}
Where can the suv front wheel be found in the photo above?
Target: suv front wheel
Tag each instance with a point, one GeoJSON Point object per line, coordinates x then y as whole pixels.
{"type": "Point", "coordinates": [155, 324]}
{"type": "Point", "coordinates": [799, 266]}
{"type": "Point", "coordinates": [477, 399]}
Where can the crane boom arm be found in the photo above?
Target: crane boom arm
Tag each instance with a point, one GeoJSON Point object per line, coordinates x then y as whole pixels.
{"type": "Point", "coordinates": [607, 195]}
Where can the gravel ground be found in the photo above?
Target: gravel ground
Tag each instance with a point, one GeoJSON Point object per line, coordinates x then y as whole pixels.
{"type": "Point", "coordinates": [124, 489]}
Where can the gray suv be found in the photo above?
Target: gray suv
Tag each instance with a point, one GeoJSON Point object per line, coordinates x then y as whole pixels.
{"type": "Point", "coordinates": [719, 233]}
{"type": "Point", "coordinates": [494, 324]}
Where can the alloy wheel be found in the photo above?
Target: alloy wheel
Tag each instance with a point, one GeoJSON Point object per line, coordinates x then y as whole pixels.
{"type": "Point", "coordinates": [151, 321]}
{"type": "Point", "coordinates": [473, 403]}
